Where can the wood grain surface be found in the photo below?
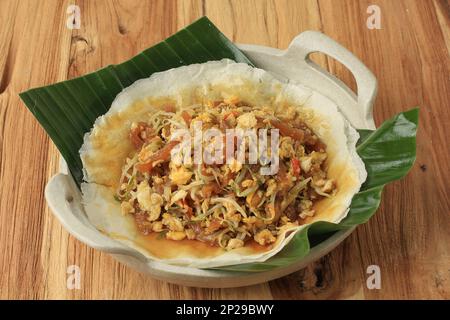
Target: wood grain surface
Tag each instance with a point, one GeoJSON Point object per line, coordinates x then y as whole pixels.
{"type": "Point", "coordinates": [408, 238]}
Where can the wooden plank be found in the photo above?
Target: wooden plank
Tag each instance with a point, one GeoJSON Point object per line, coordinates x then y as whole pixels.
{"type": "Point", "coordinates": [33, 52]}
{"type": "Point", "coordinates": [136, 26]}
{"type": "Point", "coordinates": [411, 72]}
{"type": "Point", "coordinates": [443, 14]}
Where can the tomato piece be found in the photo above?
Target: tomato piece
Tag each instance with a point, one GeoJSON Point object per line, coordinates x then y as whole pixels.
{"type": "Point", "coordinates": [288, 131]}
{"type": "Point", "coordinates": [162, 154]}
{"type": "Point", "coordinates": [169, 108]}
{"type": "Point", "coordinates": [186, 117]}
{"type": "Point", "coordinates": [214, 225]}
{"type": "Point", "coordinates": [210, 189]}
{"type": "Point", "coordinates": [234, 113]}
{"type": "Point", "coordinates": [217, 103]}
{"type": "Point", "coordinates": [226, 178]}
{"type": "Point", "coordinates": [319, 146]}
{"type": "Point", "coordinates": [185, 205]}
{"type": "Point", "coordinates": [295, 166]}
{"type": "Point", "coordinates": [140, 134]}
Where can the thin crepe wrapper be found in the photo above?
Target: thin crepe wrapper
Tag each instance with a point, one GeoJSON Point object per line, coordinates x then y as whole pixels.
{"type": "Point", "coordinates": [107, 146]}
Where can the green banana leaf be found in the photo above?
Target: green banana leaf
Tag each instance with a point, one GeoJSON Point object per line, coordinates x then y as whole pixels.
{"type": "Point", "coordinates": [67, 110]}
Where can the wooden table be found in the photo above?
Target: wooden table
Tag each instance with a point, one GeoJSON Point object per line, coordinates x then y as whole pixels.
{"type": "Point", "coordinates": [408, 238]}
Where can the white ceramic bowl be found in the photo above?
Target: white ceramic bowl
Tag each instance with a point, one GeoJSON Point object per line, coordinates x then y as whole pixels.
{"type": "Point", "coordinates": [292, 65]}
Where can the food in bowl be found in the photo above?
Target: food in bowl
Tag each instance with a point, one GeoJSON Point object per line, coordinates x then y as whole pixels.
{"type": "Point", "coordinates": [148, 186]}
{"type": "Point", "coordinates": [223, 204]}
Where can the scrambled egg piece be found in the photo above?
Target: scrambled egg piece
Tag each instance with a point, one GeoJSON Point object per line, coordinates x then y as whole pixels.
{"type": "Point", "coordinates": [306, 163]}
{"type": "Point", "coordinates": [287, 147]}
{"type": "Point", "coordinates": [315, 158]}
{"type": "Point", "coordinates": [253, 221]}
{"type": "Point", "coordinates": [157, 226]}
{"type": "Point", "coordinates": [150, 202]}
{"type": "Point", "coordinates": [318, 157]}
{"type": "Point", "coordinates": [291, 113]}
{"type": "Point", "coordinates": [329, 185]}
{"type": "Point", "coordinates": [156, 201]}
{"type": "Point", "coordinates": [264, 112]}
{"type": "Point", "coordinates": [324, 185]}
{"type": "Point", "coordinates": [235, 166]}
{"type": "Point", "coordinates": [234, 217]}
{"type": "Point", "coordinates": [126, 208]}
{"type": "Point", "coordinates": [264, 237]}
{"type": "Point", "coordinates": [143, 195]}
{"type": "Point", "coordinates": [204, 117]}
{"type": "Point", "coordinates": [180, 175]}
{"type": "Point", "coordinates": [307, 213]}
{"type": "Point", "coordinates": [175, 235]}
{"type": "Point", "coordinates": [173, 223]}
{"type": "Point", "coordinates": [179, 195]}
{"type": "Point", "coordinates": [248, 183]}
{"type": "Point", "coordinates": [246, 121]}
{"type": "Point", "coordinates": [234, 244]}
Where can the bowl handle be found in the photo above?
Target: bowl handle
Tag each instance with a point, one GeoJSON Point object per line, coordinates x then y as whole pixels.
{"type": "Point", "coordinates": [312, 41]}
{"type": "Point", "coordinates": [63, 198]}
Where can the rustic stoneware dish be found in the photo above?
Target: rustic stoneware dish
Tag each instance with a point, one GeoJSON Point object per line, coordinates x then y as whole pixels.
{"type": "Point", "coordinates": [291, 65]}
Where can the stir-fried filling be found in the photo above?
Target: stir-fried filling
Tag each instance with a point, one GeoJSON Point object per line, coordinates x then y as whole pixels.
{"type": "Point", "coordinates": [222, 204]}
